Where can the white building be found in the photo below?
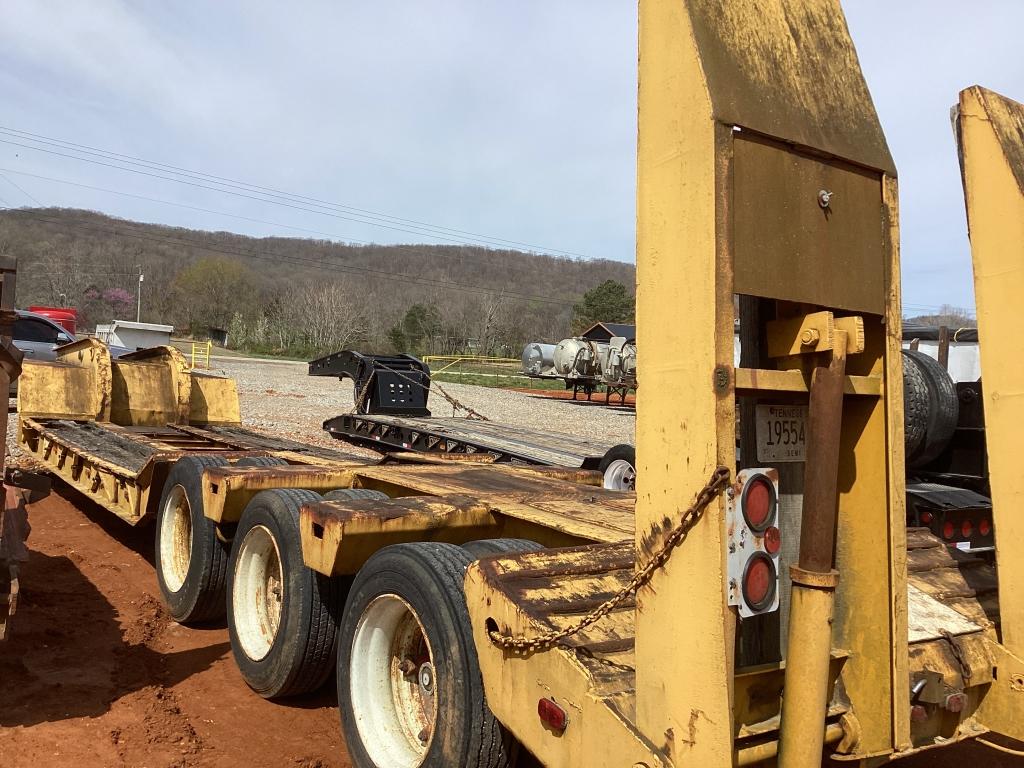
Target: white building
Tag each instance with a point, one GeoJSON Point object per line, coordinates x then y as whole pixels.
{"type": "Point", "coordinates": [124, 333]}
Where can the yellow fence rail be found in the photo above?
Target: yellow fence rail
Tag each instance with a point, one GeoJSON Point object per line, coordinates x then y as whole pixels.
{"type": "Point", "coordinates": [201, 354]}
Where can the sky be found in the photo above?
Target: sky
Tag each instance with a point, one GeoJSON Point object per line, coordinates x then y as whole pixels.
{"type": "Point", "coordinates": [502, 123]}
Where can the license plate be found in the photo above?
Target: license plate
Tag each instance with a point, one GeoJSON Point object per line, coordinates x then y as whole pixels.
{"type": "Point", "coordinates": [781, 433]}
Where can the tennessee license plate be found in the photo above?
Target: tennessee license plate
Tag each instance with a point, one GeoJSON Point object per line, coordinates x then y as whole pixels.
{"type": "Point", "coordinates": [781, 433]}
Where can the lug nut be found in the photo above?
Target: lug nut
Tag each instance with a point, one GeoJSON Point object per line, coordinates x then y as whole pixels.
{"type": "Point", "coordinates": [407, 667]}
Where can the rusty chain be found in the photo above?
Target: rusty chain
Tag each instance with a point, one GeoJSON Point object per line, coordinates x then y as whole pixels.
{"type": "Point", "coordinates": [362, 394]}
{"type": "Point", "coordinates": [718, 481]}
{"type": "Point", "coordinates": [958, 654]}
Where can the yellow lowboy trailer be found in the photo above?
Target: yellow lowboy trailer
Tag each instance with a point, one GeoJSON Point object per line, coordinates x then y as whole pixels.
{"type": "Point", "coordinates": [762, 602]}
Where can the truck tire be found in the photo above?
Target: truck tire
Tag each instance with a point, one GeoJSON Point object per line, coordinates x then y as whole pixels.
{"type": "Point", "coordinates": [488, 547]}
{"type": "Point", "coordinates": [344, 494]}
{"type": "Point", "coordinates": [915, 406]}
{"type": "Point", "coordinates": [261, 461]}
{"type": "Point", "coordinates": [943, 409]}
{"type": "Point", "coordinates": [282, 616]}
{"type": "Point", "coordinates": [407, 605]}
{"type": "Point", "coordinates": [618, 466]}
{"type": "Point", "coordinates": [191, 562]}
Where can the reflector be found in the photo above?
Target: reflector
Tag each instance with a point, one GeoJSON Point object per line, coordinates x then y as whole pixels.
{"type": "Point", "coordinates": [552, 715]}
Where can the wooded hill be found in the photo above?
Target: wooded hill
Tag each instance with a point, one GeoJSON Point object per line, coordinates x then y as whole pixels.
{"type": "Point", "coordinates": [297, 295]}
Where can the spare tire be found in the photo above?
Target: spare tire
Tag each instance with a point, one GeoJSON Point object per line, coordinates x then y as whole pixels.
{"type": "Point", "coordinates": [942, 412]}
{"type": "Point", "coordinates": [915, 406]}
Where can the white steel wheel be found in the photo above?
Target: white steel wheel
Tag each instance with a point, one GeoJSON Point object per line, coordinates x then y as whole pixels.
{"type": "Point", "coordinates": [257, 592]}
{"type": "Point", "coordinates": [620, 475]}
{"type": "Point", "coordinates": [175, 538]}
{"type": "Point", "coordinates": [393, 684]}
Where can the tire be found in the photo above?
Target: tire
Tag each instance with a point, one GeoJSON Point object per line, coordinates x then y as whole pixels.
{"type": "Point", "coordinates": [618, 466]}
{"type": "Point", "coordinates": [344, 494]}
{"type": "Point", "coordinates": [915, 406]}
{"type": "Point", "coordinates": [287, 646]}
{"type": "Point", "coordinates": [191, 562]}
{"type": "Point", "coordinates": [261, 461]}
{"type": "Point", "coordinates": [943, 409]}
{"type": "Point", "coordinates": [488, 547]}
{"type": "Point", "coordinates": [408, 601]}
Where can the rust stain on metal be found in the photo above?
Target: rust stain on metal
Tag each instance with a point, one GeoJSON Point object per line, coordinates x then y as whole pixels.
{"type": "Point", "coordinates": [763, 77]}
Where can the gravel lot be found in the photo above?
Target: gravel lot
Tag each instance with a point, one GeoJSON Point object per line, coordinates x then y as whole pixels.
{"type": "Point", "coordinates": [278, 397]}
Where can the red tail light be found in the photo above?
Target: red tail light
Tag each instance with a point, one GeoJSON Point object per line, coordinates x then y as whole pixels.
{"type": "Point", "coordinates": [759, 581]}
{"type": "Point", "coordinates": [759, 503]}
{"type": "Point", "coordinates": [926, 518]}
{"type": "Point", "coordinates": [984, 528]}
{"type": "Point", "coordinates": [948, 530]}
{"type": "Point", "coordinates": [966, 529]}
{"type": "Point", "coordinates": [552, 715]}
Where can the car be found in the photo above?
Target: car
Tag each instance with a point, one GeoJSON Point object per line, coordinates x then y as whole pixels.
{"type": "Point", "coordinates": [38, 338]}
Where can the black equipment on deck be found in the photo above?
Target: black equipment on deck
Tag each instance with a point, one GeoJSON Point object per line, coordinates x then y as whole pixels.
{"type": "Point", "coordinates": [387, 384]}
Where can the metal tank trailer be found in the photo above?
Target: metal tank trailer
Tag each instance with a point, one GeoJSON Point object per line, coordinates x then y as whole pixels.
{"type": "Point", "coordinates": [585, 364]}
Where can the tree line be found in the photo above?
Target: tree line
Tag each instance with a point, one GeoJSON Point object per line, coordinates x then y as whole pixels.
{"type": "Point", "coordinates": [304, 297]}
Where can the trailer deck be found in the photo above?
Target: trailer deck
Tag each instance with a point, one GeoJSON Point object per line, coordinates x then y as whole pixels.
{"type": "Point", "coordinates": [453, 435]}
{"type": "Point", "coordinates": [112, 428]}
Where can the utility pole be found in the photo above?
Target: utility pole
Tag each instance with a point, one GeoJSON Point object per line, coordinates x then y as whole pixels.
{"type": "Point", "coordinates": [138, 296]}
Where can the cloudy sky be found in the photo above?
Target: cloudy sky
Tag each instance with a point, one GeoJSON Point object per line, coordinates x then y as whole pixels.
{"type": "Point", "coordinates": [501, 121]}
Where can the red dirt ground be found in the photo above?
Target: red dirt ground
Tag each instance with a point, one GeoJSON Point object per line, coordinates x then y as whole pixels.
{"type": "Point", "coordinates": [566, 394]}
{"type": "Point", "coordinates": [96, 674]}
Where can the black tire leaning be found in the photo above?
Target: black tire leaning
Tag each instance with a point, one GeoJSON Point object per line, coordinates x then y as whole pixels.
{"type": "Point", "coordinates": [943, 409]}
{"type": "Point", "coordinates": [344, 494]}
{"type": "Point", "coordinates": [623, 452]}
{"type": "Point", "coordinates": [199, 596]}
{"type": "Point", "coordinates": [488, 547]}
{"type": "Point", "coordinates": [304, 647]}
{"type": "Point", "coordinates": [261, 461]}
{"type": "Point", "coordinates": [915, 406]}
{"type": "Point", "coordinates": [428, 577]}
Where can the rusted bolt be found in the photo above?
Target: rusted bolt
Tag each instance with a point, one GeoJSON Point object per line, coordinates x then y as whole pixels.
{"type": "Point", "coordinates": [824, 197]}
{"type": "Point", "coordinates": [918, 713]}
{"type": "Point", "coordinates": [721, 379]}
{"type": "Point", "coordinates": [956, 702]}
{"type": "Point", "coordinates": [809, 336]}
{"type": "Point", "coordinates": [407, 667]}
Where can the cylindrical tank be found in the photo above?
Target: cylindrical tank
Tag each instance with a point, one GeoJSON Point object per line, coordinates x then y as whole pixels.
{"type": "Point", "coordinates": [538, 359]}
{"type": "Point", "coordinates": [66, 317]}
{"type": "Point", "coordinates": [578, 358]}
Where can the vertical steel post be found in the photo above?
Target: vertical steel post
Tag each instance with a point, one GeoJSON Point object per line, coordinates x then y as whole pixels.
{"type": "Point", "coordinates": [805, 694]}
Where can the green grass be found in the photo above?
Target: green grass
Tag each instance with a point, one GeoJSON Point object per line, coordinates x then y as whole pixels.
{"type": "Point", "coordinates": [500, 381]}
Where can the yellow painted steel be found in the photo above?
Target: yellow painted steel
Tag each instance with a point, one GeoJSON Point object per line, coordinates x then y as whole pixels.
{"type": "Point", "coordinates": [808, 659]}
{"type": "Point", "coordinates": [991, 131]}
{"type": "Point", "coordinates": [708, 103]}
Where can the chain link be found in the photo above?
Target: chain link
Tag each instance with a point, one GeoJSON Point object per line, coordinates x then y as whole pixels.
{"type": "Point", "coordinates": [716, 484]}
{"type": "Point", "coordinates": [958, 654]}
{"type": "Point", "coordinates": [362, 394]}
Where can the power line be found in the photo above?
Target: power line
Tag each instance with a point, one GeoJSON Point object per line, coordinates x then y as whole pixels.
{"type": "Point", "coordinates": [297, 260]}
{"type": "Point", "coordinates": [277, 197]}
{"type": "Point", "coordinates": [26, 194]}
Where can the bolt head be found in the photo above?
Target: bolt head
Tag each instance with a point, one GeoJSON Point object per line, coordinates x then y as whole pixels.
{"type": "Point", "coordinates": [956, 702]}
